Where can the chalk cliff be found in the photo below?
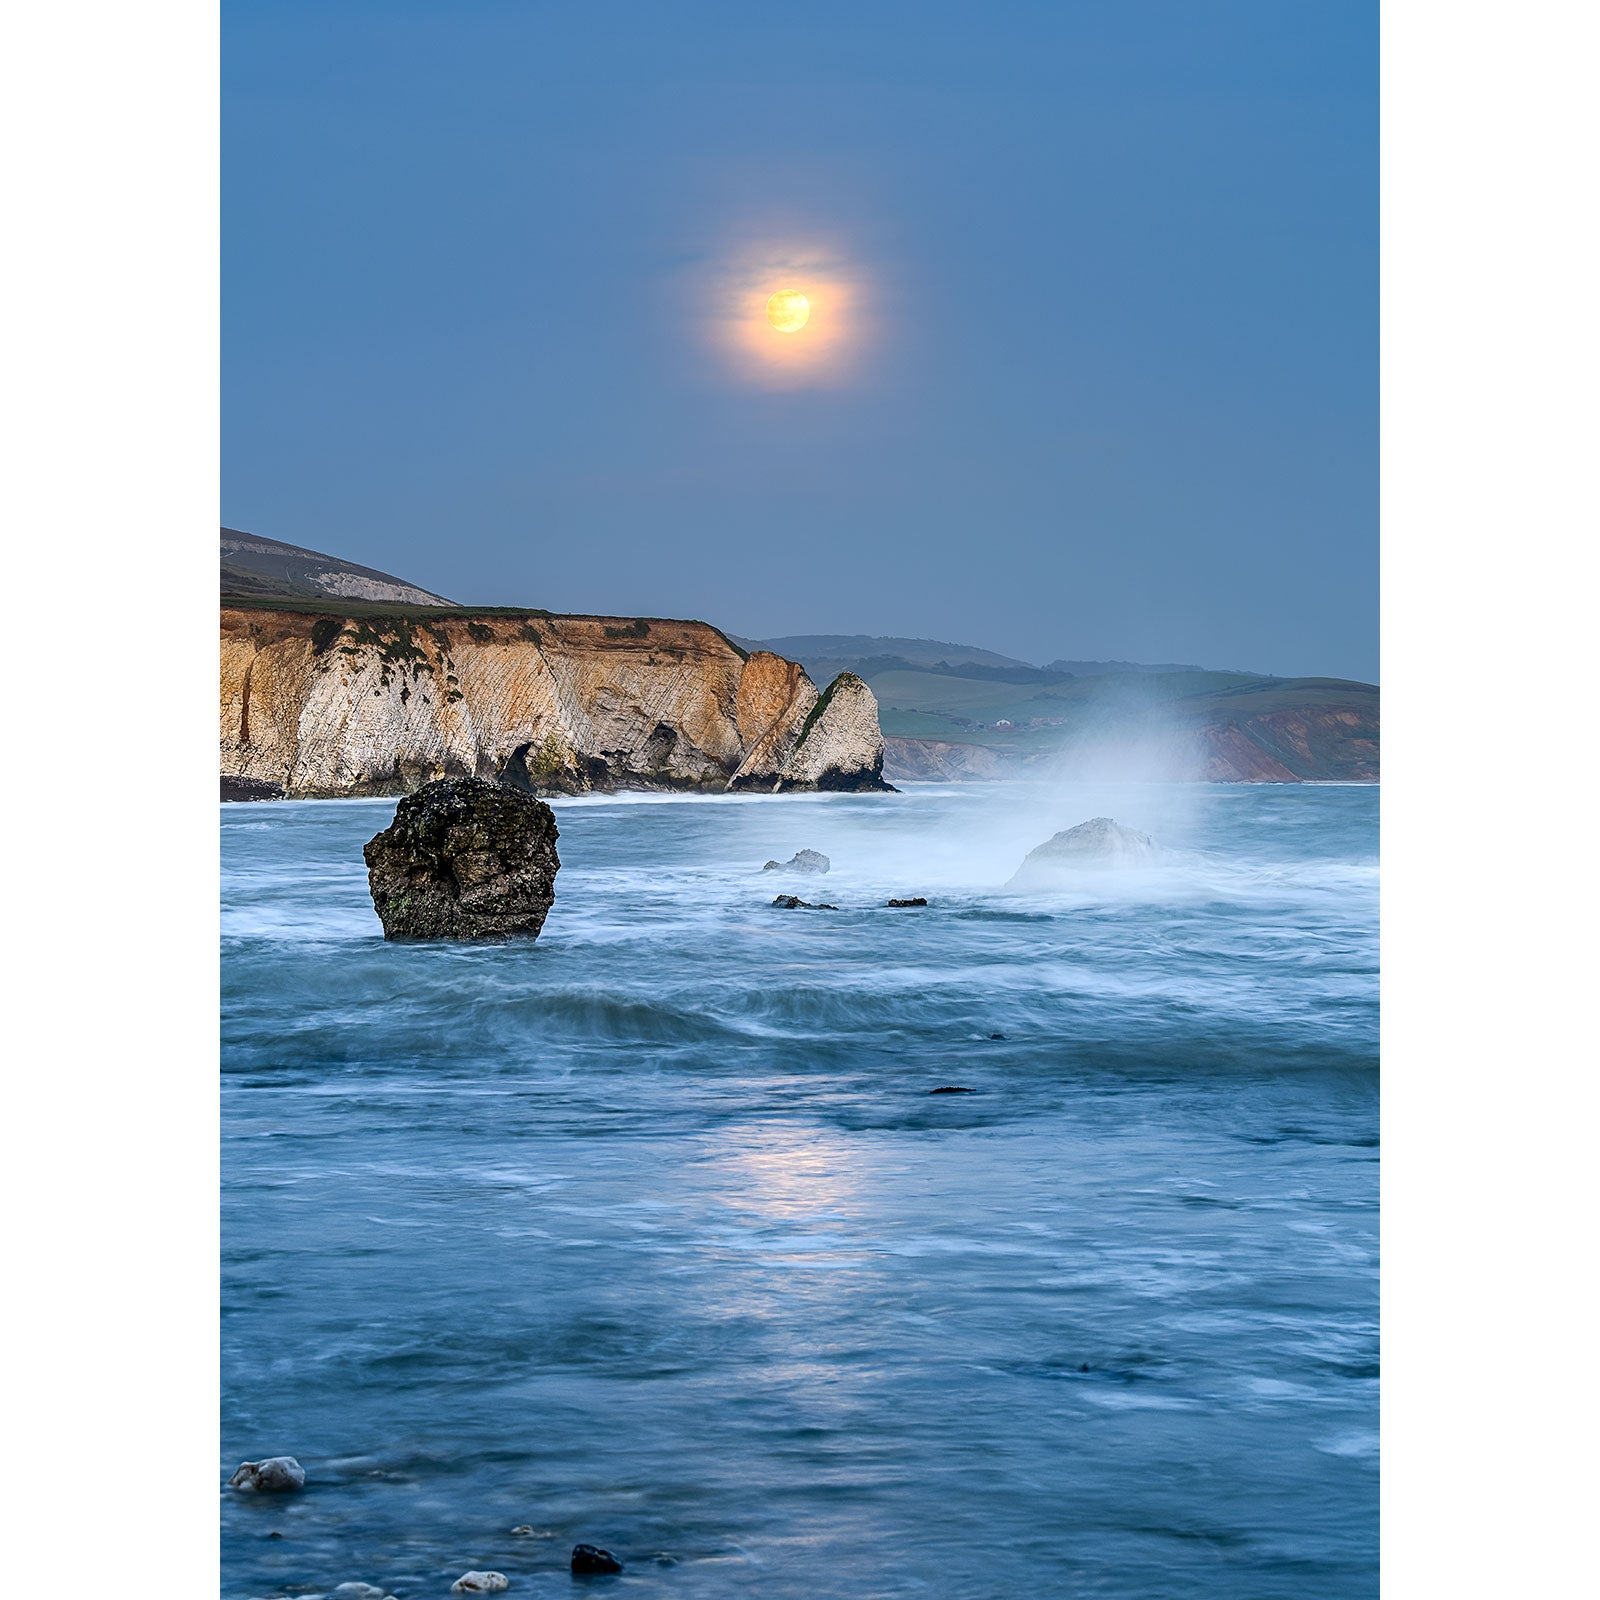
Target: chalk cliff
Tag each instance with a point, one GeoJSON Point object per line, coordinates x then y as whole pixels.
{"type": "Point", "coordinates": [326, 702]}
{"type": "Point", "coordinates": [840, 745]}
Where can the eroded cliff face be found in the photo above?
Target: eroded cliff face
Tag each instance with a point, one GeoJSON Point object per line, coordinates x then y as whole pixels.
{"type": "Point", "coordinates": [319, 704]}
{"type": "Point", "coordinates": [1316, 743]}
{"type": "Point", "coordinates": [775, 698]}
{"type": "Point", "coordinates": [941, 761]}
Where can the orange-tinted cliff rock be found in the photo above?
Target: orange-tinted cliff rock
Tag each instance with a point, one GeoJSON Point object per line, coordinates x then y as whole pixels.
{"type": "Point", "coordinates": [320, 703]}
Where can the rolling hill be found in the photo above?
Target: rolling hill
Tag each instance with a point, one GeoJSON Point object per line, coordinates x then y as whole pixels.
{"type": "Point", "coordinates": [1215, 725]}
{"type": "Point", "coordinates": [253, 565]}
{"type": "Point", "coordinates": [817, 652]}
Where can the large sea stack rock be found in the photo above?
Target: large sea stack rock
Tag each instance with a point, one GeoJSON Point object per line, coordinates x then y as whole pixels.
{"type": "Point", "coordinates": [798, 739]}
{"type": "Point", "coordinates": [1100, 842]}
{"type": "Point", "coordinates": [841, 745]}
{"type": "Point", "coordinates": [464, 859]}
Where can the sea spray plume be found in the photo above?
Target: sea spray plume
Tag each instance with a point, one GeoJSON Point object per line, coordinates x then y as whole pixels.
{"type": "Point", "coordinates": [1157, 748]}
{"type": "Point", "coordinates": [1096, 845]}
{"type": "Point", "coordinates": [1132, 758]}
{"type": "Point", "coordinates": [1134, 732]}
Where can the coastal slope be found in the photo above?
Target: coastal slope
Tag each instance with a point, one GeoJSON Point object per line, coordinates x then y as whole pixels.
{"type": "Point", "coordinates": [253, 564]}
{"type": "Point", "coordinates": [1212, 727]}
{"type": "Point", "coordinates": [369, 700]}
{"type": "Point", "coordinates": [958, 713]}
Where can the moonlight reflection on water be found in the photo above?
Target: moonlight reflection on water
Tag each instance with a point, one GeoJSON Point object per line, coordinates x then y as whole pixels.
{"type": "Point", "coordinates": [651, 1235]}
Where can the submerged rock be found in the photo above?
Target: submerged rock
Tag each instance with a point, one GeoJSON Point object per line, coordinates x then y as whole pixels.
{"type": "Point", "coordinates": [952, 1088]}
{"type": "Point", "coordinates": [274, 1475]}
{"type": "Point", "coordinates": [480, 1583]}
{"type": "Point", "coordinates": [591, 1558]}
{"type": "Point", "coordinates": [359, 1591]}
{"type": "Point", "coordinates": [464, 859]}
{"type": "Point", "coordinates": [918, 900]}
{"type": "Point", "coordinates": [801, 861]}
{"type": "Point", "coordinates": [1100, 842]}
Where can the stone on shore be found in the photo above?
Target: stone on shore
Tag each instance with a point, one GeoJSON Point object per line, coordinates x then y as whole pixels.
{"type": "Point", "coordinates": [801, 861]}
{"type": "Point", "coordinates": [1098, 843]}
{"type": "Point", "coordinates": [274, 1475]}
{"type": "Point", "coordinates": [464, 859]}
{"type": "Point", "coordinates": [588, 1558]}
{"type": "Point", "coordinates": [480, 1583]}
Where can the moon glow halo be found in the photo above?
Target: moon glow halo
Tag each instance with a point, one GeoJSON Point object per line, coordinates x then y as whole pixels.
{"type": "Point", "coordinates": [788, 311]}
{"type": "Point", "coordinates": [785, 313]}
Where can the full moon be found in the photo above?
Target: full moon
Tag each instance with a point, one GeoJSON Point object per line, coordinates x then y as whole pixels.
{"type": "Point", "coordinates": [788, 311]}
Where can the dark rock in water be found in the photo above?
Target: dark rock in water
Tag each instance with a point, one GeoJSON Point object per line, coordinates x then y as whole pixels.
{"type": "Point", "coordinates": [274, 1475]}
{"type": "Point", "coordinates": [793, 902]}
{"type": "Point", "coordinates": [952, 1088]}
{"type": "Point", "coordinates": [801, 861]}
{"type": "Point", "coordinates": [918, 901]}
{"type": "Point", "coordinates": [249, 789]}
{"type": "Point", "coordinates": [1100, 842]}
{"type": "Point", "coordinates": [591, 1558]}
{"type": "Point", "coordinates": [997, 1036]}
{"type": "Point", "coordinates": [464, 859]}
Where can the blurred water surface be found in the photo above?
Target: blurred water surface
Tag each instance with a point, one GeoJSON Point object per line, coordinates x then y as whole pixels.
{"type": "Point", "coordinates": [649, 1234]}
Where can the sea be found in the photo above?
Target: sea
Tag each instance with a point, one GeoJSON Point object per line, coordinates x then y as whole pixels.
{"type": "Point", "coordinates": [652, 1233]}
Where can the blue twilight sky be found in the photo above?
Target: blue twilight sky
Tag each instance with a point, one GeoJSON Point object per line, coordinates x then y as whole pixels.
{"type": "Point", "coordinates": [1092, 366]}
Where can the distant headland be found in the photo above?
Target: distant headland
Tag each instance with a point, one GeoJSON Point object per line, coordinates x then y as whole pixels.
{"type": "Point", "coordinates": [323, 695]}
{"type": "Point", "coordinates": [339, 679]}
{"type": "Point", "coordinates": [960, 713]}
